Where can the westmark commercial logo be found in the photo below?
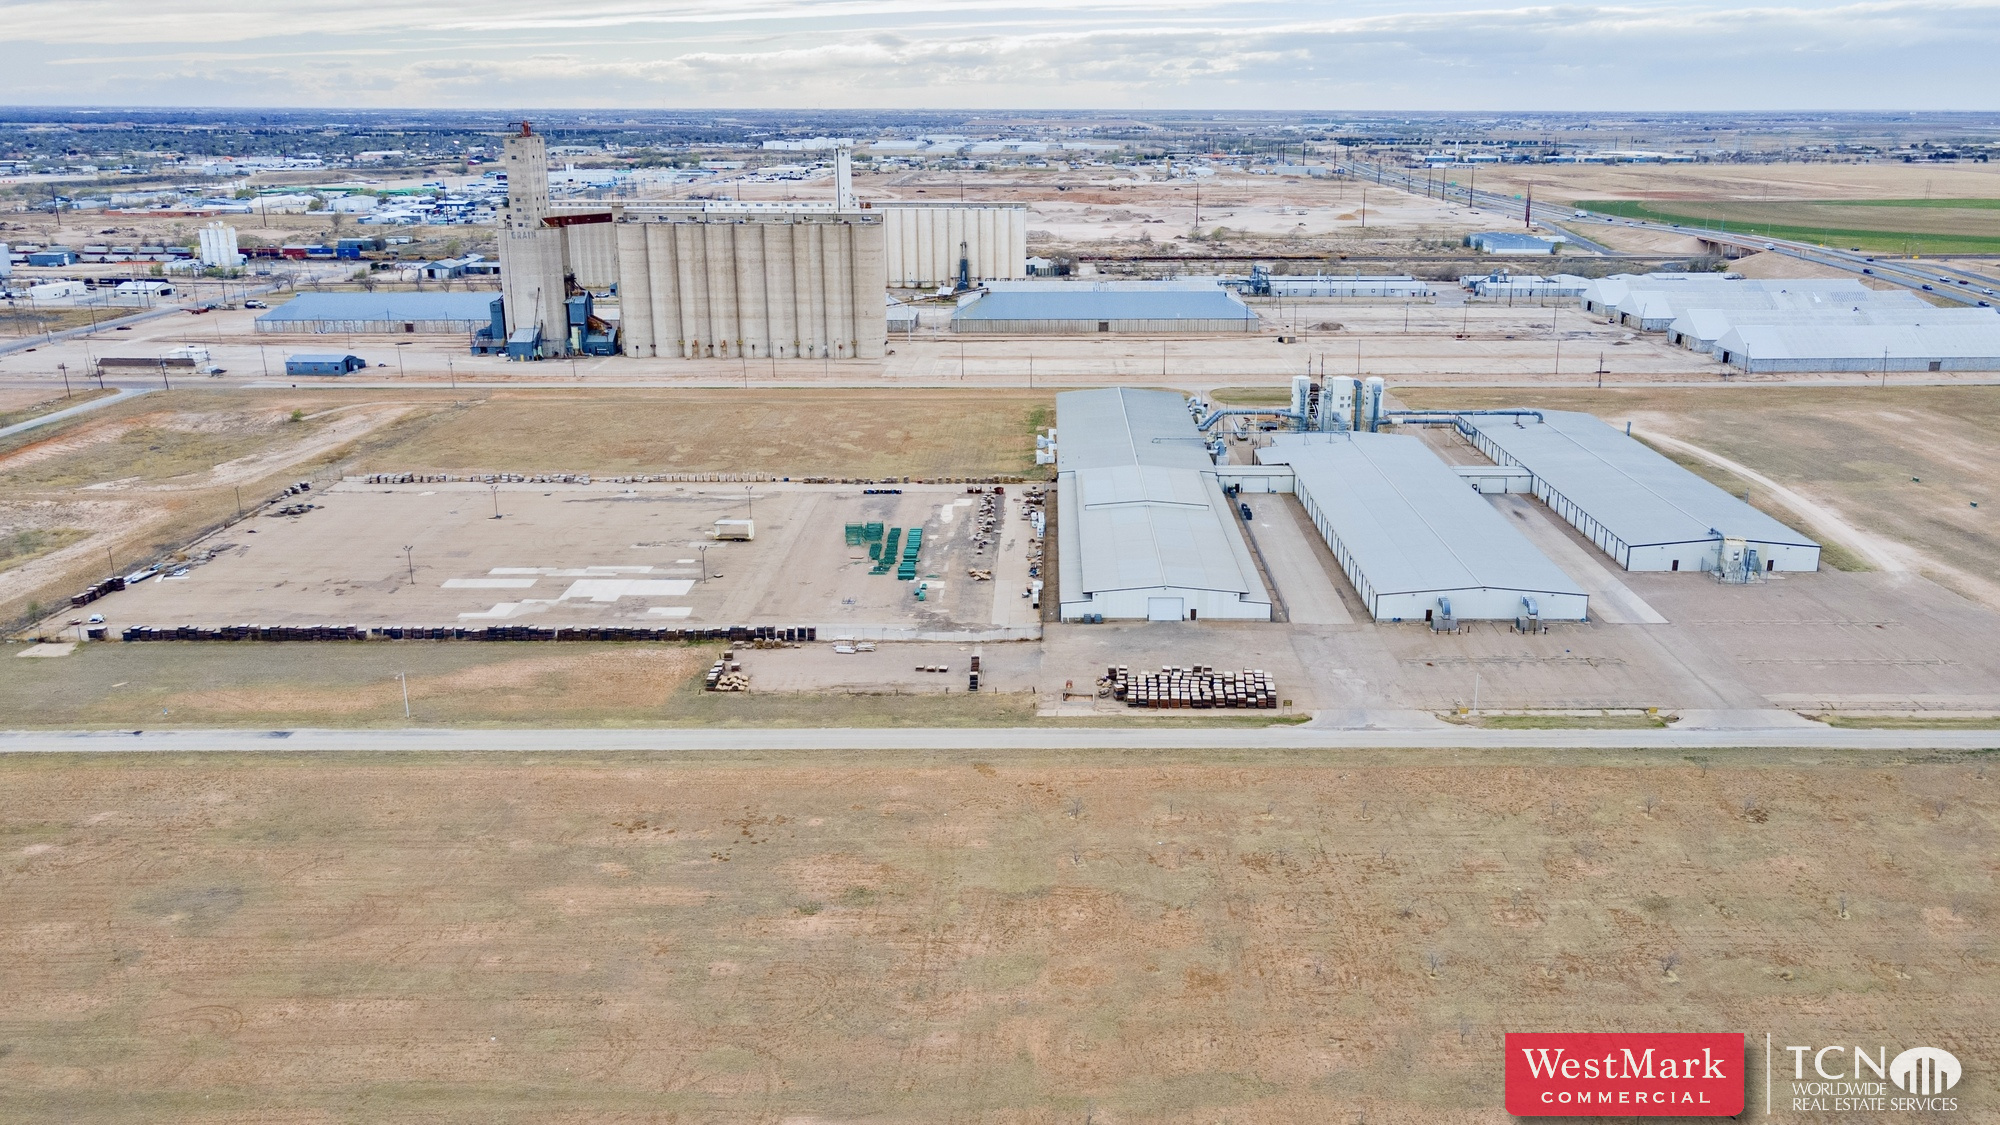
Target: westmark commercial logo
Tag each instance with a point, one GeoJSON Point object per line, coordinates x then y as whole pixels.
{"type": "Point", "coordinates": [1625, 1075]}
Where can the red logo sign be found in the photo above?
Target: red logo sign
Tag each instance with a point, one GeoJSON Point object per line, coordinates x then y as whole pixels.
{"type": "Point", "coordinates": [1615, 1075]}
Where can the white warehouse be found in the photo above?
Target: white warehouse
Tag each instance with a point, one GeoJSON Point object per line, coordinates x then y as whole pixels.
{"type": "Point", "coordinates": [1414, 538]}
{"type": "Point", "coordinates": [1143, 530]}
{"type": "Point", "coordinates": [1640, 508]}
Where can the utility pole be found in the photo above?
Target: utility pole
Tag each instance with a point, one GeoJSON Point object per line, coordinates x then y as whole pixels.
{"type": "Point", "coordinates": [64, 368]}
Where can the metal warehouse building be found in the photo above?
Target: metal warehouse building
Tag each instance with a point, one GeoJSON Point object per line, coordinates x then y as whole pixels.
{"type": "Point", "coordinates": [1059, 307]}
{"type": "Point", "coordinates": [1971, 343]}
{"type": "Point", "coordinates": [1640, 508]}
{"type": "Point", "coordinates": [328, 364]}
{"type": "Point", "coordinates": [362, 313]}
{"type": "Point", "coordinates": [1509, 243]}
{"type": "Point", "coordinates": [1652, 302]}
{"type": "Point", "coordinates": [1356, 285]}
{"type": "Point", "coordinates": [1418, 543]}
{"type": "Point", "coordinates": [1143, 530]}
{"type": "Point", "coordinates": [1699, 329]}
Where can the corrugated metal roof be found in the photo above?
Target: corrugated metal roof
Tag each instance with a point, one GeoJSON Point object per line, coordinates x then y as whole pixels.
{"type": "Point", "coordinates": [383, 306]}
{"type": "Point", "coordinates": [1081, 301]}
{"type": "Point", "coordinates": [1491, 240]}
{"type": "Point", "coordinates": [1411, 524]}
{"type": "Point", "coordinates": [1712, 324]}
{"type": "Point", "coordinates": [1971, 338]}
{"type": "Point", "coordinates": [1116, 426]}
{"type": "Point", "coordinates": [1635, 493]}
{"type": "Point", "coordinates": [1139, 504]}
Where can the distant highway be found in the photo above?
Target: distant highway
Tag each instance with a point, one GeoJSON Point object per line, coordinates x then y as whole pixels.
{"type": "Point", "coordinates": [1964, 286]}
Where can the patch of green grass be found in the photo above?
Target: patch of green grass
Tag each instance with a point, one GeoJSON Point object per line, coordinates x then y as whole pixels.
{"type": "Point", "coordinates": [1910, 722]}
{"type": "Point", "coordinates": [1252, 396]}
{"type": "Point", "coordinates": [1889, 241]}
{"type": "Point", "coordinates": [20, 546]}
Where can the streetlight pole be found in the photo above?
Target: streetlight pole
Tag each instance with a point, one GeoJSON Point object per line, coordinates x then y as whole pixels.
{"type": "Point", "coordinates": [702, 550]}
{"type": "Point", "coordinates": [496, 500]}
{"type": "Point", "coordinates": [409, 556]}
{"type": "Point", "coordinates": [64, 368]}
{"type": "Point", "coordinates": [405, 678]}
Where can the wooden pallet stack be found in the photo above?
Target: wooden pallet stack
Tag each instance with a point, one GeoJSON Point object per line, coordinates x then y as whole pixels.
{"type": "Point", "coordinates": [1193, 687]}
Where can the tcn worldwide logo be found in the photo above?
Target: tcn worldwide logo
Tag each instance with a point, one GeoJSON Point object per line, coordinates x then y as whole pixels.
{"type": "Point", "coordinates": [1845, 1077]}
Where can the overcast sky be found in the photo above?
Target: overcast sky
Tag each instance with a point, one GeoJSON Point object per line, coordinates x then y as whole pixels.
{"type": "Point", "coordinates": [1155, 54]}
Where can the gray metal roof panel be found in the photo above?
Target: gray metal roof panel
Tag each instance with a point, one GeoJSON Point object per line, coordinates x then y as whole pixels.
{"type": "Point", "coordinates": [383, 306]}
{"type": "Point", "coordinates": [1084, 301]}
{"type": "Point", "coordinates": [1411, 524]}
{"type": "Point", "coordinates": [1121, 426]}
{"type": "Point", "coordinates": [1138, 504]}
{"type": "Point", "coordinates": [1637, 494]}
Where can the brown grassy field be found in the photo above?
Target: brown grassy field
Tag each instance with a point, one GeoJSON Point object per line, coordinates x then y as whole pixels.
{"type": "Point", "coordinates": [795, 432]}
{"type": "Point", "coordinates": [1905, 463]}
{"type": "Point", "coordinates": [934, 937]}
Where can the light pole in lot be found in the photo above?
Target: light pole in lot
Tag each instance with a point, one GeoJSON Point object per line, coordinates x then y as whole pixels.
{"type": "Point", "coordinates": [409, 556]}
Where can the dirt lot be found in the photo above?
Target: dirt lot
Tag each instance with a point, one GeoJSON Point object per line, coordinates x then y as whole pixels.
{"type": "Point", "coordinates": [607, 553]}
{"type": "Point", "coordinates": [143, 476]}
{"type": "Point", "coordinates": [929, 938]}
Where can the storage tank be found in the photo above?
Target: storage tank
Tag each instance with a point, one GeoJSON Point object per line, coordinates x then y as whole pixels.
{"type": "Point", "coordinates": [1336, 405]}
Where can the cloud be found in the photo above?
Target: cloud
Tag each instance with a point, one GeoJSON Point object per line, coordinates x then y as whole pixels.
{"type": "Point", "coordinates": [1029, 54]}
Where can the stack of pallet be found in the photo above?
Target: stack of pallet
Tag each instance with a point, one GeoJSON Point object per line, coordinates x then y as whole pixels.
{"type": "Point", "coordinates": [1197, 686]}
{"type": "Point", "coordinates": [727, 674]}
{"type": "Point", "coordinates": [906, 569]}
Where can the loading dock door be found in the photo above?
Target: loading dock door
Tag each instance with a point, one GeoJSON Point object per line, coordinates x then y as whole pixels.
{"type": "Point", "coordinates": [1163, 609]}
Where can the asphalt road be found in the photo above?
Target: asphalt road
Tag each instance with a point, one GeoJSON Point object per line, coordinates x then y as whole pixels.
{"type": "Point", "coordinates": [1806, 736]}
{"type": "Point", "coordinates": [71, 412]}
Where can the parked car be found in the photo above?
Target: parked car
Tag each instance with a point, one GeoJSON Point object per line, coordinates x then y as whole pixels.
{"type": "Point", "coordinates": [255, 305]}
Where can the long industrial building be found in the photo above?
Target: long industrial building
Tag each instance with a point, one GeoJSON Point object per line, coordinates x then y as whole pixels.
{"type": "Point", "coordinates": [785, 286]}
{"type": "Point", "coordinates": [1638, 507]}
{"type": "Point", "coordinates": [1652, 302]}
{"type": "Point", "coordinates": [1073, 307]}
{"type": "Point", "coordinates": [1416, 542]}
{"type": "Point", "coordinates": [380, 313]}
{"type": "Point", "coordinates": [1930, 344]}
{"type": "Point", "coordinates": [1143, 530]}
{"type": "Point", "coordinates": [1699, 329]}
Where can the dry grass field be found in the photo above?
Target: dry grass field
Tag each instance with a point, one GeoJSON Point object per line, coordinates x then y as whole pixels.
{"type": "Point", "coordinates": [937, 938]}
{"type": "Point", "coordinates": [1904, 464]}
{"type": "Point", "coordinates": [787, 432]}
